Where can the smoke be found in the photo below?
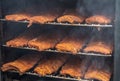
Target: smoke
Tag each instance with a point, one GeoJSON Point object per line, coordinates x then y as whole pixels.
{"type": "Point", "coordinates": [84, 7]}
{"type": "Point", "coordinates": [97, 7]}
{"type": "Point", "coordinates": [69, 4]}
{"type": "Point", "coordinates": [80, 8]}
{"type": "Point", "coordinates": [31, 6]}
{"type": "Point", "coordinates": [80, 32]}
{"type": "Point", "coordinates": [45, 6]}
{"type": "Point", "coordinates": [105, 35]}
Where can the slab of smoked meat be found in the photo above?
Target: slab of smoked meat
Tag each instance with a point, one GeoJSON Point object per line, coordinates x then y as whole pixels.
{"type": "Point", "coordinates": [47, 40]}
{"type": "Point", "coordinates": [50, 64]}
{"type": "Point", "coordinates": [75, 67]}
{"type": "Point", "coordinates": [71, 16]}
{"type": "Point", "coordinates": [23, 63]}
{"type": "Point", "coordinates": [46, 12]}
{"type": "Point", "coordinates": [101, 43]}
{"type": "Point", "coordinates": [99, 70]}
{"type": "Point", "coordinates": [73, 42]}
{"type": "Point", "coordinates": [43, 18]}
{"type": "Point", "coordinates": [22, 39]}
{"type": "Point", "coordinates": [17, 17]}
{"type": "Point", "coordinates": [98, 19]}
{"type": "Point", "coordinates": [97, 14]}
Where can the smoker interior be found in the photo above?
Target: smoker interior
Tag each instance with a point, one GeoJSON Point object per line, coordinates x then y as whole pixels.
{"type": "Point", "coordinates": [8, 35]}
{"type": "Point", "coordinates": [30, 75]}
{"type": "Point", "coordinates": [12, 29]}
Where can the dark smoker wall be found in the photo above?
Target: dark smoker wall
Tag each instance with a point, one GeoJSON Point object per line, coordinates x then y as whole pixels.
{"type": "Point", "coordinates": [31, 6]}
{"type": "Point", "coordinates": [35, 6]}
{"type": "Point", "coordinates": [117, 44]}
{"type": "Point", "coordinates": [84, 7]}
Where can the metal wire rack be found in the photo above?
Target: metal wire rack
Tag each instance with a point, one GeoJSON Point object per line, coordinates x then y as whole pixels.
{"type": "Point", "coordinates": [65, 24]}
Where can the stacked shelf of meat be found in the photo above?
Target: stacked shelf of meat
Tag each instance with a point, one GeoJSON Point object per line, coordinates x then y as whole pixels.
{"type": "Point", "coordinates": [61, 65]}
{"type": "Point", "coordinates": [65, 40]}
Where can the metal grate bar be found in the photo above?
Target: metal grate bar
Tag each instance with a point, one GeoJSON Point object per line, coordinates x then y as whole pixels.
{"type": "Point", "coordinates": [50, 50]}
{"type": "Point", "coordinates": [52, 76]}
{"type": "Point", "coordinates": [64, 24]}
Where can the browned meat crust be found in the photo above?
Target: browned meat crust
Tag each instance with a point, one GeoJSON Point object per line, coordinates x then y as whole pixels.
{"type": "Point", "coordinates": [76, 67]}
{"type": "Point", "coordinates": [23, 63]}
{"type": "Point", "coordinates": [99, 47]}
{"type": "Point", "coordinates": [99, 70]}
{"type": "Point", "coordinates": [73, 42]}
{"type": "Point", "coordinates": [50, 64]}
{"type": "Point", "coordinates": [22, 39]}
{"type": "Point", "coordinates": [47, 40]}
{"type": "Point", "coordinates": [46, 12]}
{"type": "Point", "coordinates": [98, 19]}
{"type": "Point", "coordinates": [43, 18]}
{"type": "Point", "coordinates": [71, 17]}
{"type": "Point", "coordinates": [101, 43]}
{"type": "Point", "coordinates": [17, 17]}
{"type": "Point", "coordinates": [73, 68]}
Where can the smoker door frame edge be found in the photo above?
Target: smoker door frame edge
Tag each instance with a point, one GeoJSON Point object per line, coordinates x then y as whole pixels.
{"type": "Point", "coordinates": [117, 42]}
{"type": "Point", "coordinates": [0, 39]}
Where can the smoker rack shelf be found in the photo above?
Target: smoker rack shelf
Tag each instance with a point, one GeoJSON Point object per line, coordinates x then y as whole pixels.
{"type": "Point", "coordinates": [65, 24]}
{"type": "Point", "coordinates": [52, 76]}
{"type": "Point", "coordinates": [55, 51]}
